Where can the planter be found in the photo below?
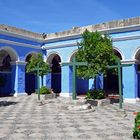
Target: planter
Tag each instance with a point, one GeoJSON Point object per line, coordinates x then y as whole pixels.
{"type": "Point", "coordinates": [114, 98]}
{"type": "Point", "coordinates": [49, 96]}
{"type": "Point", "coordinates": [98, 102]}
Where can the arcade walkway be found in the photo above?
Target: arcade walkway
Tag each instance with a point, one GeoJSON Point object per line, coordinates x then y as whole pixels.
{"type": "Point", "coordinates": [23, 118]}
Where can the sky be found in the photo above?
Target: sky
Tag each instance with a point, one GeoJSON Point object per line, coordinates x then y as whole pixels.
{"type": "Point", "coordinates": [48, 16]}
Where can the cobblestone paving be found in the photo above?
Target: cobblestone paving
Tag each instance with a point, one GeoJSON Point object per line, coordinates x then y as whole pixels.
{"type": "Point", "coordinates": [24, 118]}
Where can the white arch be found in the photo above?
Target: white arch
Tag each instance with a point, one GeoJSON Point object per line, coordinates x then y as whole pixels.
{"type": "Point", "coordinates": [122, 55]}
{"type": "Point", "coordinates": [12, 52]}
{"type": "Point", "coordinates": [31, 52]}
{"type": "Point", "coordinates": [135, 53]}
{"type": "Point", "coordinates": [51, 55]}
{"type": "Point", "coordinates": [72, 54]}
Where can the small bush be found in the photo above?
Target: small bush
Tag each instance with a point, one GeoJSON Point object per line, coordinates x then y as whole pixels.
{"type": "Point", "coordinates": [136, 129]}
{"type": "Point", "coordinates": [95, 94]}
{"type": "Point", "coordinates": [45, 90]}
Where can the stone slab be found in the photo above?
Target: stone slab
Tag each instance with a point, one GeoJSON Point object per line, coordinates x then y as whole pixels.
{"type": "Point", "coordinates": [28, 121]}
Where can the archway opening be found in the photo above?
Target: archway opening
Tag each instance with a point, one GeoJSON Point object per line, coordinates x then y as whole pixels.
{"type": "Point", "coordinates": [30, 78]}
{"type": "Point", "coordinates": [137, 57]}
{"type": "Point", "coordinates": [7, 73]}
{"type": "Point", "coordinates": [54, 60]}
{"type": "Point", "coordinates": [111, 85]}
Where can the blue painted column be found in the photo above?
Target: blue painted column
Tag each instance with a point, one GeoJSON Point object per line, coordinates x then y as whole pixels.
{"type": "Point", "coordinates": [18, 78]}
{"type": "Point", "coordinates": [13, 78]}
{"type": "Point", "coordinates": [129, 83]}
{"type": "Point", "coordinates": [66, 78]}
{"type": "Point", "coordinates": [46, 78]}
{"type": "Point", "coordinates": [99, 81]}
{"type": "Point", "coordinates": [91, 84]}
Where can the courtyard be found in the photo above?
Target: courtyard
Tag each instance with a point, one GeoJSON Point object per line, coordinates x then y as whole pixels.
{"type": "Point", "coordinates": [25, 118]}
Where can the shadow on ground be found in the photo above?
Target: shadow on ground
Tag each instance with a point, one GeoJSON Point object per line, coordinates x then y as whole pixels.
{"type": "Point", "coordinates": [112, 101]}
{"type": "Point", "coordinates": [7, 103]}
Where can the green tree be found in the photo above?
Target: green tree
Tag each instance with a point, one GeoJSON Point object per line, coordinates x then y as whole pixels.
{"type": "Point", "coordinates": [45, 69]}
{"type": "Point", "coordinates": [97, 50]}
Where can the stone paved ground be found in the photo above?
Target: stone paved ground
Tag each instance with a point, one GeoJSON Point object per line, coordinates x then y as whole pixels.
{"type": "Point", "coordinates": [23, 118]}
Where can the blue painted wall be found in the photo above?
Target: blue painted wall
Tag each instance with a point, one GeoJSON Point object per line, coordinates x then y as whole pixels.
{"type": "Point", "coordinates": [20, 40]}
{"type": "Point", "coordinates": [128, 48]}
{"type": "Point", "coordinates": [17, 78]}
{"type": "Point", "coordinates": [82, 86]}
{"type": "Point", "coordinates": [21, 51]}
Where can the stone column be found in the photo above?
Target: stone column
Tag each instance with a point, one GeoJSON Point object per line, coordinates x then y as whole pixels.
{"type": "Point", "coordinates": [129, 83]}
{"type": "Point", "coordinates": [46, 78]}
{"type": "Point", "coordinates": [18, 77]}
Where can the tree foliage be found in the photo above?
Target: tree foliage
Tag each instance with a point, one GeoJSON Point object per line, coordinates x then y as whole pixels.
{"type": "Point", "coordinates": [97, 50]}
{"type": "Point", "coordinates": [45, 69]}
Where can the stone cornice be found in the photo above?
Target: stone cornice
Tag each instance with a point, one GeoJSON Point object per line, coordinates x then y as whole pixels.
{"type": "Point", "coordinates": [129, 61]}
{"type": "Point", "coordinates": [59, 46]}
{"type": "Point", "coordinates": [109, 27]}
{"type": "Point", "coordinates": [126, 38]}
{"type": "Point", "coordinates": [18, 63]}
{"type": "Point", "coordinates": [5, 72]}
{"type": "Point", "coordinates": [129, 24]}
{"type": "Point", "coordinates": [20, 33]}
{"type": "Point", "coordinates": [19, 44]}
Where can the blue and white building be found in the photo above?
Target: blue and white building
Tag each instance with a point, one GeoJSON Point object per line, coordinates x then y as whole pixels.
{"type": "Point", "coordinates": [18, 45]}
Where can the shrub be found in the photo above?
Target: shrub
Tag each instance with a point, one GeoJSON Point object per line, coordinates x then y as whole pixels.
{"type": "Point", "coordinates": [95, 94]}
{"type": "Point", "coordinates": [45, 90]}
{"type": "Point", "coordinates": [136, 129]}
